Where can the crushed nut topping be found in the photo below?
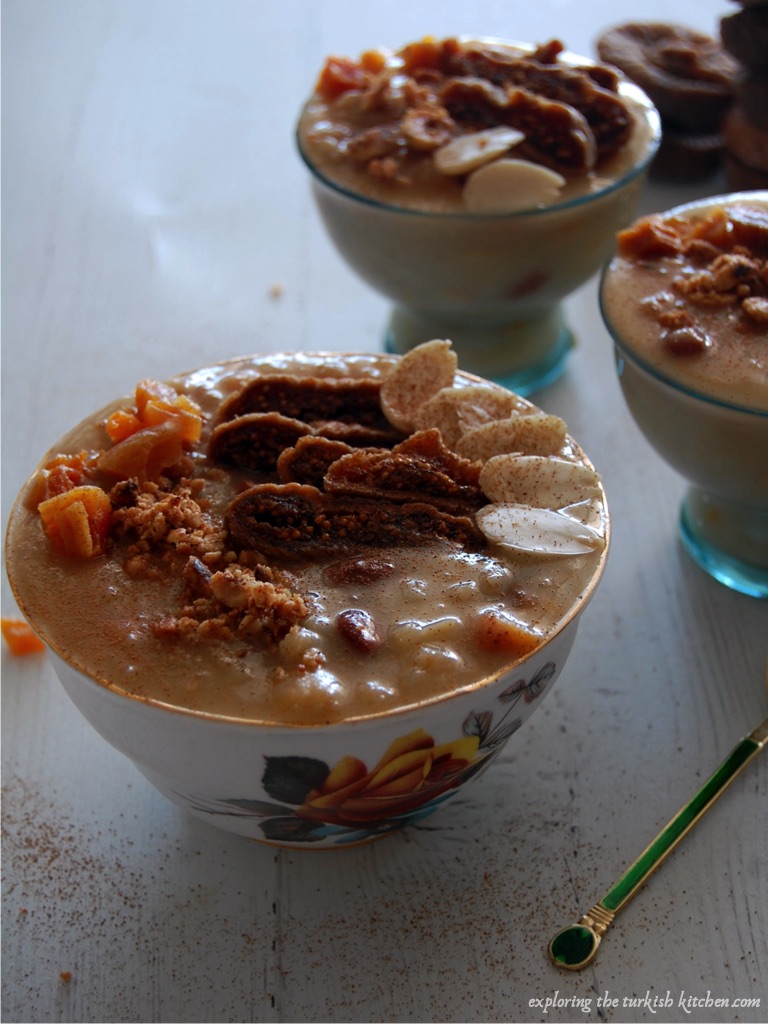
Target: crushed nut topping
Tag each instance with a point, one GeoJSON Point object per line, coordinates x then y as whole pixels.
{"type": "Point", "coordinates": [716, 261]}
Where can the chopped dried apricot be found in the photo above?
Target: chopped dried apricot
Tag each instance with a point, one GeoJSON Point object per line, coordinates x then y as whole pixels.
{"type": "Point", "coordinates": [121, 424]}
{"type": "Point", "coordinates": [339, 75]}
{"type": "Point", "coordinates": [157, 402]}
{"type": "Point", "coordinates": [152, 390]}
{"type": "Point", "coordinates": [496, 630]}
{"type": "Point", "coordinates": [77, 522]}
{"type": "Point", "coordinates": [426, 53]}
{"type": "Point", "coordinates": [59, 475]}
{"type": "Point", "coordinates": [183, 409]}
{"type": "Point", "coordinates": [650, 236]}
{"type": "Point", "coordinates": [151, 437]}
{"type": "Point", "coordinates": [146, 453]}
{"type": "Point", "coordinates": [373, 61]}
{"type": "Point", "coordinates": [20, 637]}
{"type": "Point", "coordinates": [715, 228]}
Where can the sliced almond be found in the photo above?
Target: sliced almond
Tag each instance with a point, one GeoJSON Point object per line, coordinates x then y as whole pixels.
{"type": "Point", "coordinates": [454, 411]}
{"type": "Point", "coordinates": [465, 154]}
{"type": "Point", "coordinates": [538, 433]}
{"type": "Point", "coordinates": [538, 531]}
{"type": "Point", "coordinates": [506, 185]}
{"type": "Point", "coordinates": [538, 481]}
{"type": "Point", "coordinates": [414, 379]}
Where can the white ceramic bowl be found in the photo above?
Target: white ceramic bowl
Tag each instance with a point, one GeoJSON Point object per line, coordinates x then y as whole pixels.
{"type": "Point", "coordinates": [720, 447]}
{"type": "Point", "coordinates": [254, 779]}
{"type": "Point", "coordinates": [491, 282]}
{"type": "Point", "coordinates": [289, 785]}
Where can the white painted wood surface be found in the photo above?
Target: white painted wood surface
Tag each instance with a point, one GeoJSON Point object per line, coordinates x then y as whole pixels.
{"type": "Point", "coordinates": [153, 208]}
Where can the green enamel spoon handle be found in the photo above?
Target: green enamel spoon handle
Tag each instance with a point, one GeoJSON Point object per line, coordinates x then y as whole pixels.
{"type": "Point", "coordinates": [576, 946]}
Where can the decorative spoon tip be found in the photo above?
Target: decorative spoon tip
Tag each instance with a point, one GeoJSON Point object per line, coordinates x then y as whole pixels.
{"type": "Point", "coordinates": [574, 947]}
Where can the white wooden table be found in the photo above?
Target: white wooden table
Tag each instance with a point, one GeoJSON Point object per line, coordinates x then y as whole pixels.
{"type": "Point", "coordinates": [156, 217]}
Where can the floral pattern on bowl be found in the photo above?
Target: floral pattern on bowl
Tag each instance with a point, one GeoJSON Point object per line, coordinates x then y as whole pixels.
{"type": "Point", "coordinates": [349, 803]}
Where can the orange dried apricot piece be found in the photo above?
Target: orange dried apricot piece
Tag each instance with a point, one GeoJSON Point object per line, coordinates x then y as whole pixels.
{"type": "Point", "coordinates": [152, 390]}
{"type": "Point", "coordinates": [121, 424]}
{"type": "Point", "coordinates": [77, 522]}
{"type": "Point", "coordinates": [425, 53]}
{"type": "Point", "coordinates": [157, 402]}
{"type": "Point", "coordinates": [373, 61]}
{"type": "Point", "coordinates": [146, 453]}
{"type": "Point", "coordinates": [181, 408]}
{"type": "Point", "coordinates": [715, 228]}
{"type": "Point", "coordinates": [650, 236]}
{"type": "Point", "coordinates": [20, 637]}
{"type": "Point", "coordinates": [59, 475]}
{"type": "Point", "coordinates": [496, 631]}
{"type": "Point", "coordinates": [339, 75]}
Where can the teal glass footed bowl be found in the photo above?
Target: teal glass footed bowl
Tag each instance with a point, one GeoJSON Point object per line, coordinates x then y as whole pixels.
{"type": "Point", "coordinates": [493, 283]}
{"type": "Point", "coordinates": [719, 446]}
{"type": "Point", "coordinates": [722, 451]}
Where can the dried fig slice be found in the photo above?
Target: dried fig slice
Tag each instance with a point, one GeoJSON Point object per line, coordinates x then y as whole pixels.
{"type": "Point", "coordinates": [420, 469]}
{"type": "Point", "coordinates": [590, 93]}
{"type": "Point", "coordinates": [556, 134]}
{"type": "Point", "coordinates": [429, 446]}
{"type": "Point", "coordinates": [308, 460]}
{"type": "Point", "coordinates": [297, 522]}
{"type": "Point", "coordinates": [255, 440]}
{"type": "Point", "coordinates": [309, 399]}
{"type": "Point", "coordinates": [358, 435]}
{"type": "Point", "coordinates": [473, 102]}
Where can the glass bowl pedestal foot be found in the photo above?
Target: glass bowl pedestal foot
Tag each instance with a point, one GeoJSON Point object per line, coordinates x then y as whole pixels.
{"type": "Point", "coordinates": [728, 539]}
{"type": "Point", "coordinates": [524, 355]}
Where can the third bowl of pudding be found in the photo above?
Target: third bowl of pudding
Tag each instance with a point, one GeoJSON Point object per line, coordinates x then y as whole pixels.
{"type": "Point", "coordinates": [476, 183]}
{"type": "Point", "coordinates": [686, 302]}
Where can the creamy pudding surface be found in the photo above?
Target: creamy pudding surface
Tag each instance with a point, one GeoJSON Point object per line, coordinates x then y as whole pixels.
{"type": "Point", "coordinates": [688, 293]}
{"type": "Point", "coordinates": [307, 538]}
{"type": "Point", "coordinates": [473, 125]}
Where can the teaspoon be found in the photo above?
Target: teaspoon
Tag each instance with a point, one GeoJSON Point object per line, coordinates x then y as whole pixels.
{"type": "Point", "coordinates": [576, 946]}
